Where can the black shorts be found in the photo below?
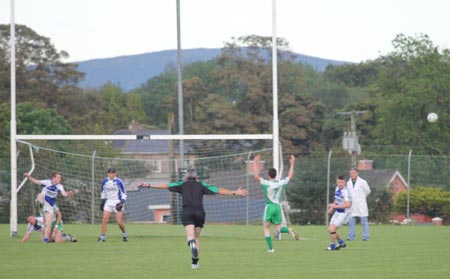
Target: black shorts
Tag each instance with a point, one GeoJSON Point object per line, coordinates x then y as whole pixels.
{"type": "Point", "coordinates": [194, 217]}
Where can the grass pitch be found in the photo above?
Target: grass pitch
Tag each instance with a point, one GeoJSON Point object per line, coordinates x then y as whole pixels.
{"type": "Point", "coordinates": [228, 251]}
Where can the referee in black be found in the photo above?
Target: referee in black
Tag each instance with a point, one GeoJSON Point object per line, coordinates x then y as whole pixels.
{"type": "Point", "coordinates": [193, 215]}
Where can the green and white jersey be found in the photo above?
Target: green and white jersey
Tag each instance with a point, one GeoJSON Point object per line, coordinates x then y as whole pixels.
{"type": "Point", "coordinates": [273, 189]}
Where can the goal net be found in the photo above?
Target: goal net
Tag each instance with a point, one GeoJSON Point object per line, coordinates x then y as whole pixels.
{"type": "Point", "coordinates": [83, 164]}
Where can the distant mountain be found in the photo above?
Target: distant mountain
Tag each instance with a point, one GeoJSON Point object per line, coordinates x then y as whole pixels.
{"type": "Point", "coordinates": [131, 71]}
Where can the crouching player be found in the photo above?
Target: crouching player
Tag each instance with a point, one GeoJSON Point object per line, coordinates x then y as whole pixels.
{"type": "Point", "coordinates": [37, 223]}
{"type": "Point", "coordinates": [342, 215]}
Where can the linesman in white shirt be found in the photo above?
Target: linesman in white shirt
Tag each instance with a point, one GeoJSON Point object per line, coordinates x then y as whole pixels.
{"type": "Point", "coordinates": [359, 190]}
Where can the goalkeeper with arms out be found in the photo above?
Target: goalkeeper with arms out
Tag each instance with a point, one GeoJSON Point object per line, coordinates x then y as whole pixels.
{"type": "Point", "coordinates": [193, 215]}
{"type": "Point", "coordinates": [113, 196]}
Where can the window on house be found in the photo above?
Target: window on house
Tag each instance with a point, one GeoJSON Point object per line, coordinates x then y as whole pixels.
{"type": "Point", "coordinates": [164, 218]}
{"type": "Point", "coordinates": [156, 166]}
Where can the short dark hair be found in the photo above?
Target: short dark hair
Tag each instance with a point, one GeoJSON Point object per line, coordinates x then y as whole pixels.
{"type": "Point", "coordinates": [55, 173]}
{"type": "Point", "coordinates": [272, 173]}
{"type": "Point", "coordinates": [111, 170]}
{"type": "Point", "coordinates": [341, 177]}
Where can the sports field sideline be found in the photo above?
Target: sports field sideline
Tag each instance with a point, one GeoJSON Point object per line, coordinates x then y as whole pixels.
{"type": "Point", "coordinates": [228, 251]}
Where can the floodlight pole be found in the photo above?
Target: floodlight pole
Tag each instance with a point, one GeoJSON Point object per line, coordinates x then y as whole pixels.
{"type": "Point", "coordinates": [13, 132]}
{"type": "Point", "coordinates": [180, 88]}
{"type": "Point", "coordinates": [276, 140]}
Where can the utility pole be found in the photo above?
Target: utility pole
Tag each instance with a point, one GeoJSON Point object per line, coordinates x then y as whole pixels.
{"type": "Point", "coordinates": [350, 139]}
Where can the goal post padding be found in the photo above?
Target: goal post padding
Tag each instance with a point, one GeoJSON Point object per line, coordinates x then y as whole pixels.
{"type": "Point", "coordinates": [83, 163]}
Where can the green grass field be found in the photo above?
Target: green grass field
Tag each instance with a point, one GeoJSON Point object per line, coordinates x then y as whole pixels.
{"type": "Point", "coordinates": [228, 251]}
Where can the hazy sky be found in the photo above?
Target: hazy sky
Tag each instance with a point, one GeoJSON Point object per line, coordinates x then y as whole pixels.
{"type": "Point", "coordinates": [348, 30]}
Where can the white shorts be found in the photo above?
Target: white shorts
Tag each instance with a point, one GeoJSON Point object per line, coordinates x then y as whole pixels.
{"type": "Point", "coordinates": [48, 208]}
{"type": "Point", "coordinates": [110, 206]}
{"type": "Point", "coordinates": [340, 219]}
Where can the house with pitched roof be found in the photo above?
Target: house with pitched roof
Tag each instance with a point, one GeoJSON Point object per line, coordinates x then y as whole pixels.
{"type": "Point", "coordinates": [159, 155]}
{"type": "Point", "coordinates": [391, 180]}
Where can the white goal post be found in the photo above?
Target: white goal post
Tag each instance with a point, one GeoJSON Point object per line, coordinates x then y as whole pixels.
{"type": "Point", "coordinates": [13, 128]}
{"type": "Point", "coordinates": [219, 179]}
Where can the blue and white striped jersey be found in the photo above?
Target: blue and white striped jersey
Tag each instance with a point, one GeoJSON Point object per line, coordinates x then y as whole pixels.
{"type": "Point", "coordinates": [36, 227]}
{"type": "Point", "coordinates": [340, 197]}
{"type": "Point", "coordinates": [113, 189]}
{"type": "Point", "coordinates": [50, 191]}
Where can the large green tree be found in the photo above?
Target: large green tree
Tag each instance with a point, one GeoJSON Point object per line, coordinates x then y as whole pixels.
{"type": "Point", "coordinates": [41, 75]}
{"type": "Point", "coordinates": [233, 94]}
{"type": "Point", "coordinates": [413, 81]}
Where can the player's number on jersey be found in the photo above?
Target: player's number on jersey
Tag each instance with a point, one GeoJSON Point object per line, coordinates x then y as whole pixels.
{"type": "Point", "coordinates": [275, 191]}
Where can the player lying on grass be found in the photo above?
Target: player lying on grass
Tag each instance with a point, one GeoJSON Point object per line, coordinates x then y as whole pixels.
{"type": "Point", "coordinates": [193, 214]}
{"type": "Point", "coordinates": [341, 216]}
{"type": "Point", "coordinates": [36, 223]}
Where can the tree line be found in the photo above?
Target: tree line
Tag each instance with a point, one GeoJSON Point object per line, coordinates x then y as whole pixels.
{"type": "Point", "coordinates": [232, 94]}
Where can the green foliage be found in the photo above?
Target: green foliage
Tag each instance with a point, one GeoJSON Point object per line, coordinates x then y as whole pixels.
{"type": "Point", "coordinates": [233, 94]}
{"type": "Point", "coordinates": [426, 200]}
{"type": "Point", "coordinates": [334, 96]}
{"type": "Point", "coordinates": [30, 120]}
{"type": "Point", "coordinates": [158, 97]}
{"type": "Point", "coordinates": [353, 75]}
{"type": "Point", "coordinates": [308, 190]}
{"type": "Point", "coordinates": [381, 205]}
{"type": "Point", "coordinates": [413, 81]}
{"type": "Point", "coordinates": [42, 78]}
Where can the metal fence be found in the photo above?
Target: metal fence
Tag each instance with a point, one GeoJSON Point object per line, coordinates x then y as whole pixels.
{"type": "Point", "coordinates": [313, 182]}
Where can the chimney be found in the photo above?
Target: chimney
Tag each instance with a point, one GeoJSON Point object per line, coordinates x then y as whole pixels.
{"type": "Point", "coordinates": [365, 164]}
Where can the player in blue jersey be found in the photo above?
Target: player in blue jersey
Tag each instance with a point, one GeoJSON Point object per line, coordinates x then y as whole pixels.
{"type": "Point", "coordinates": [342, 214]}
{"type": "Point", "coordinates": [193, 215]}
{"type": "Point", "coordinates": [273, 192]}
{"type": "Point", "coordinates": [34, 224]}
{"type": "Point", "coordinates": [37, 223]}
{"type": "Point", "coordinates": [113, 195]}
{"type": "Point", "coordinates": [50, 189]}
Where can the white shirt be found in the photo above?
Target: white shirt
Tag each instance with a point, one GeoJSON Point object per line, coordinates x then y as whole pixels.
{"type": "Point", "coordinates": [359, 193]}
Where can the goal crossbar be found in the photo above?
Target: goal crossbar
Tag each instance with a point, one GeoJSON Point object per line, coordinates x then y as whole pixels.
{"type": "Point", "coordinates": [147, 137]}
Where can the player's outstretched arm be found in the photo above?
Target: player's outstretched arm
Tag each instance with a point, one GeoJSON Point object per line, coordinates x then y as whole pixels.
{"type": "Point", "coordinates": [256, 160]}
{"type": "Point", "coordinates": [32, 179]}
{"type": "Point", "coordinates": [157, 186]}
{"type": "Point", "coordinates": [238, 192]}
{"type": "Point", "coordinates": [25, 237]}
{"type": "Point", "coordinates": [291, 167]}
{"type": "Point", "coordinates": [66, 194]}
